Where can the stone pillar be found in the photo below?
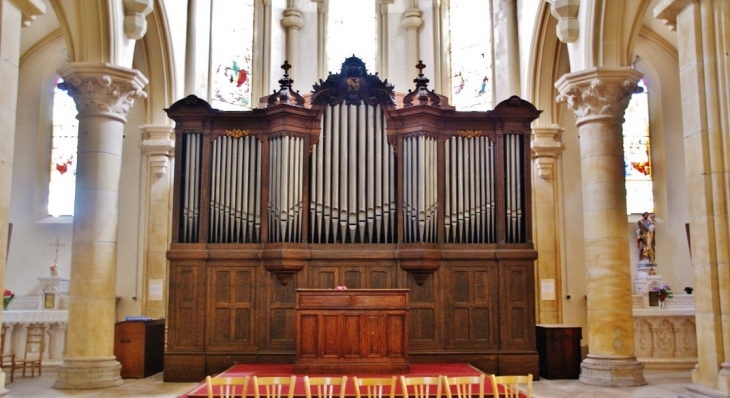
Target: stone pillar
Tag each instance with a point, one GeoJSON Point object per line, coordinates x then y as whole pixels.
{"type": "Point", "coordinates": [546, 147]}
{"type": "Point", "coordinates": [13, 15]}
{"type": "Point", "coordinates": [703, 49]}
{"type": "Point", "coordinates": [104, 95]}
{"type": "Point", "coordinates": [599, 97]}
{"type": "Point", "coordinates": [412, 21]}
{"type": "Point", "coordinates": [292, 22]}
{"type": "Point", "coordinates": [158, 143]}
{"type": "Point", "coordinates": [383, 37]}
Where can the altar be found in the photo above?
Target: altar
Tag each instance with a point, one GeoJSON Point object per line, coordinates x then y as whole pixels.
{"type": "Point", "coordinates": [56, 323]}
{"type": "Point", "coordinates": [352, 331]}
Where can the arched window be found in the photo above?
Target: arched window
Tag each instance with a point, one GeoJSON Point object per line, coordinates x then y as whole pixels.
{"type": "Point", "coordinates": [471, 55]}
{"type": "Point", "coordinates": [231, 54]}
{"type": "Point", "coordinates": [351, 22]}
{"type": "Point", "coordinates": [637, 154]}
{"type": "Point", "coordinates": [64, 143]}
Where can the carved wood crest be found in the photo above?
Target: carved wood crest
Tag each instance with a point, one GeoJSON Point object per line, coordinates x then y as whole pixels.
{"type": "Point", "coordinates": [353, 85]}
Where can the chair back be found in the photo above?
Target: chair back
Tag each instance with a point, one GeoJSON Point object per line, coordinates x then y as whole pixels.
{"type": "Point", "coordinates": [227, 387]}
{"type": "Point", "coordinates": [273, 386]}
{"type": "Point", "coordinates": [510, 386]}
{"type": "Point", "coordinates": [325, 386]}
{"type": "Point", "coordinates": [35, 342]}
{"type": "Point", "coordinates": [421, 387]}
{"type": "Point", "coordinates": [464, 386]}
{"type": "Point", "coordinates": [2, 342]}
{"type": "Point", "coordinates": [375, 387]}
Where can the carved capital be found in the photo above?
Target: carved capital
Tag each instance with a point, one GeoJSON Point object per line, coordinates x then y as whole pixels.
{"type": "Point", "coordinates": [101, 89]}
{"type": "Point", "coordinates": [598, 91]}
{"type": "Point", "coordinates": [292, 18]}
{"type": "Point", "coordinates": [135, 13]}
{"type": "Point", "coordinates": [566, 12]}
{"type": "Point", "coordinates": [547, 145]}
{"type": "Point", "coordinates": [158, 142]}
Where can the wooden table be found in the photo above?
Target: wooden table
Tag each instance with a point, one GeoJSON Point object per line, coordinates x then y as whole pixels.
{"type": "Point", "coordinates": [352, 331]}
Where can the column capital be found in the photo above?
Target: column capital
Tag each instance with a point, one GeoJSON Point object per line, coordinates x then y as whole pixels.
{"type": "Point", "coordinates": [667, 11]}
{"type": "Point", "coordinates": [158, 142]}
{"type": "Point", "coordinates": [102, 89]}
{"type": "Point", "coordinates": [598, 92]}
{"type": "Point", "coordinates": [547, 145]}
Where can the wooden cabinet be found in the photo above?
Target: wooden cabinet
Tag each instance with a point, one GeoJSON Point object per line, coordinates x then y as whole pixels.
{"type": "Point", "coordinates": [352, 331]}
{"type": "Point", "coordinates": [559, 349]}
{"type": "Point", "coordinates": [140, 347]}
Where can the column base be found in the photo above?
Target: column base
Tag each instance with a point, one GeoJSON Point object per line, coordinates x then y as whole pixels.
{"type": "Point", "coordinates": [697, 391]}
{"type": "Point", "coordinates": [88, 374]}
{"type": "Point", "coordinates": [624, 372]}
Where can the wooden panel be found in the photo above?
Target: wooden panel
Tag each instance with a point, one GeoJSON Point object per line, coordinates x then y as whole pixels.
{"type": "Point", "coordinates": [395, 342]}
{"type": "Point", "coordinates": [281, 314]}
{"type": "Point", "coordinates": [517, 306]}
{"type": "Point", "coordinates": [373, 335]}
{"type": "Point", "coordinates": [473, 291]}
{"type": "Point", "coordinates": [424, 314]}
{"type": "Point", "coordinates": [232, 305]}
{"type": "Point", "coordinates": [186, 322]}
{"type": "Point", "coordinates": [184, 368]}
{"type": "Point", "coordinates": [307, 343]}
{"type": "Point", "coordinates": [351, 336]}
{"type": "Point", "coordinates": [330, 329]}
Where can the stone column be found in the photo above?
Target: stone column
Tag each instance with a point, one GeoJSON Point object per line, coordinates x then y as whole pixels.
{"type": "Point", "coordinates": [702, 31]}
{"type": "Point", "coordinates": [599, 97]}
{"type": "Point", "coordinates": [158, 142]}
{"type": "Point", "coordinates": [104, 95]}
{"type": "Point", "coordinates": [381, 8]}
{"type": "Point", "coordinates": [412, 21]}
{"type": "Point", "coordinates": [292, 22]}
{"type": "Point", "coordinates": [546, 147]}
{"type": "Point", "coordinates": [13, 15]}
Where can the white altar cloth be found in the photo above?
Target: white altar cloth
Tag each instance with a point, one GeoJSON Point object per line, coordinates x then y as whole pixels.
{"type": "Point", "coordinates": [35, 316]}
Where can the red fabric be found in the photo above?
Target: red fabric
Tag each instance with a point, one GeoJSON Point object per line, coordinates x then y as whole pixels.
{"type": "Point", "coordinates": [417, 369]}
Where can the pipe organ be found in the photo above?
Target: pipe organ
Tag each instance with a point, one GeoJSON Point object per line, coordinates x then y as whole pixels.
{"type": "Point", "coordinates": [349, 187]}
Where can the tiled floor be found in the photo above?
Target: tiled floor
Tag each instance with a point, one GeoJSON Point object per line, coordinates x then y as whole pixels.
{"type": "Point", "coordinates": [662, 384]}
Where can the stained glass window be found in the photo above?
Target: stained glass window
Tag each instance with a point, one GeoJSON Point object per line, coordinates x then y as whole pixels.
{"type": "Point", "coordinates": [351, 27]}
{"type": "Point", "coordinates": [231, 54]}
{"type": "Point", "coordinates": [471, 55]}
{"type": "Point", "coordinates": [637, 154]}
{"type": "Point", "coordinates": [64, 143]}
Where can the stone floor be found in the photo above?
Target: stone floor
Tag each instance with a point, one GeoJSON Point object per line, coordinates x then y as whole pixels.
{"type": "Point", "coordinates": [662, 384]}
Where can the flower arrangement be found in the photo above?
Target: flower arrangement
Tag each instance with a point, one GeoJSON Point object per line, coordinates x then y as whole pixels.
{"type": "Point", "coordinates": [664, 292]}
{"type": "Point", "coordinates": [8, 296]}
{"type": "Point", "coordinates": [54, 270]}
{"type": "Point", "coordinates": [340, 287]}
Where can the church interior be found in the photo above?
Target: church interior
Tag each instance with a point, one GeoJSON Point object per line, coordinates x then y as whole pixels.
{"type": "Point", "coordinates": [521, 170]}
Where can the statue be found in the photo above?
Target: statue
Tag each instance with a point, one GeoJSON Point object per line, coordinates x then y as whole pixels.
{"type": "Point", "coordinates": [645, 240]}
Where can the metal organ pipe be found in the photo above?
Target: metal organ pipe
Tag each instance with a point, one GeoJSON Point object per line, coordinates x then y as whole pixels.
{"type": "Point", "coordinates": [351, 166]}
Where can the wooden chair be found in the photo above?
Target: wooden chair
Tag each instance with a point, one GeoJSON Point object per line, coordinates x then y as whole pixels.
{"type": "Point", "coordinates": [510, 386]}
{"type": "Point", "coordinates": [35, 343]}
{"type": "Point", "coordinates": [227, 387]}
{"type": "Point", "coordinates": [273, 386]}
{"type": "Point", "coordinates": [463, 386]}
{"type": "Point", "coordinates": [374, 386]}
{"type": "Point", "coordinates": [8, 360]}
{"type": "Point", "coordinates": [421, 387]}
{"type": "Point", "coordinates": [325, 386]}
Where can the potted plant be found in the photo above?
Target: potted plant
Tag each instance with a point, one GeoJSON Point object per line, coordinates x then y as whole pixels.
{"type": "Point", "coordinates": [663, 293]}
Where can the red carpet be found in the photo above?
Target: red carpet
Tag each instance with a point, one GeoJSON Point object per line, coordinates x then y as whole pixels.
{"type": "Point", "coordinates": [436, 369]}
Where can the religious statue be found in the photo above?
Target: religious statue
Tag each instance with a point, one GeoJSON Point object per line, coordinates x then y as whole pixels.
{"type": "Point", "coordinates": [645, 240]}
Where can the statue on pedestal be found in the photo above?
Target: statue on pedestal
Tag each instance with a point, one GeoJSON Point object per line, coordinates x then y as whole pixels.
{"type": "Point", "coordinates": [645, 240]}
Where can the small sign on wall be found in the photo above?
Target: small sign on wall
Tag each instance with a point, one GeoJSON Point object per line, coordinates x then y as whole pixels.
{"type": "Point", "coordinates": [154, 290]}
{"type": "Point", "coordinates": [547, 289]}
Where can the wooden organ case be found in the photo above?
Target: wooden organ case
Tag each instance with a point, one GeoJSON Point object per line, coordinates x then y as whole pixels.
{"type": "Point", "coordinates": [351, 189]}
